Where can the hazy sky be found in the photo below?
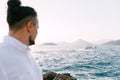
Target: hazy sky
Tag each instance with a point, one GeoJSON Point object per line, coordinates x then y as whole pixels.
{"type": "Point", "coordinates": [69, 20]}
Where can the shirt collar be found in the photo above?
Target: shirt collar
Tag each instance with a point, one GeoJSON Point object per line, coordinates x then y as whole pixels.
{"type": "Point", "coordinates": [16, 43]}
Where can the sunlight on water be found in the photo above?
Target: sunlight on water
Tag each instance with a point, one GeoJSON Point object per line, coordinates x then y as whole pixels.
{"type": "Point", "coordinates": [97, 64]}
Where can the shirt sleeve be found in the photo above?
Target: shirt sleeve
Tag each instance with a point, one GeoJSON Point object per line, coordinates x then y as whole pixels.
{"type": "Point", "coordinates": [3, 75]}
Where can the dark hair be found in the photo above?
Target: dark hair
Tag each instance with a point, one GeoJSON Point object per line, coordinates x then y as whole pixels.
{"type": "Point", "coordinates": [16, 12]}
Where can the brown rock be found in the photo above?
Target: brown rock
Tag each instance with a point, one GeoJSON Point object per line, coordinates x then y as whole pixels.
{"type": "Point", "coordinates": [55, 76]}
{"type": "Point", "coordinates": [49, 76]}
{"type": "Point", "coordinates": [64, 77]}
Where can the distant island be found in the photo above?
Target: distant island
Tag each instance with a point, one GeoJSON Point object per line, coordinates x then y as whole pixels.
{"type": "Point", "coordinates": [74, 45]}
{"type": "Point", "coordinates": [115, 42]}
{"type": "Point", "coordinates": [52, 44]}
{"type": "Point", "coordinates": [80, 44]}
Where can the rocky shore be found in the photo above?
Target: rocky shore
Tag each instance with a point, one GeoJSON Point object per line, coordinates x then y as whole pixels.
{"type": "Point", "coordinates": [57, 76]}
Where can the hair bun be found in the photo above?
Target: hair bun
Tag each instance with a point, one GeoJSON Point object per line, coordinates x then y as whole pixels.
{"type": "Point", "coordinates": [13, 3]}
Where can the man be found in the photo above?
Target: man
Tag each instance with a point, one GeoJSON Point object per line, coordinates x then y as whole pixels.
{"type": "Point", "coordinates": [16, 63]}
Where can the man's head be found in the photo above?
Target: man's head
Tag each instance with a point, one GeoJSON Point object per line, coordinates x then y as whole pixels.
{"type": "Point", "coordinates": [22, 19]}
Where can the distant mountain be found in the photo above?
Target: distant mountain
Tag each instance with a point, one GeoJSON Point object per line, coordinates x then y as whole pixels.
{"type": "Point", "coordinates": [81, 43]}
{"type": "Point", "coordinates": [52, 44]}
{"type": "Point", "coordinates": [115, 42]}
{"type": "Point", "coordinates": [73, 45]}
{"type": "Point", "coordinates": [102, 41]}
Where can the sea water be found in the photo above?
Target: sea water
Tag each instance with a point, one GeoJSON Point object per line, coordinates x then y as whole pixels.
{"type": "Point", "coordinates": [95, 64]}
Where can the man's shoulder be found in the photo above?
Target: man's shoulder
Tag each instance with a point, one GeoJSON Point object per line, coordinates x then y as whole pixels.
{"type": "Point", "coordinates": [4, 47]}
{"type": "Point", "coordinates": [7, 52]}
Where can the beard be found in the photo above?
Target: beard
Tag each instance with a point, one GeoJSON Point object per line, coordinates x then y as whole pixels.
{"type": "Point", "coordinates": [31, 42]}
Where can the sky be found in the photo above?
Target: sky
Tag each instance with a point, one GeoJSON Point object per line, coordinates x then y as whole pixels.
{"type": "Point", "coordinates": [69, 20]}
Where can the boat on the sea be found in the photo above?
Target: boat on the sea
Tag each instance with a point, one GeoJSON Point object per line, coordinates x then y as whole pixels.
{"type": "Point", "coordinates": [89, 48]}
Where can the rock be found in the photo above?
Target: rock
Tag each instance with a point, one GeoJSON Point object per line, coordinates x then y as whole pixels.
{"type": "Point", "coordinates": [63, 77]}
{"type": "Point", "coordinates": [67, 74]}
{"type": "Point", "coordinates": [55, 76]}
{"type": "Point", "coordinates": [49, 76]}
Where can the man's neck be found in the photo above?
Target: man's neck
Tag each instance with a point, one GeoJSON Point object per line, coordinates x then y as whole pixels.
{"type": "Point", "coordinates": [19, 36]}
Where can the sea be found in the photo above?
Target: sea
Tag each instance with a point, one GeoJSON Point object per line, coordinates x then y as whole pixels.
{"type": "Point", "coordinates": [101, 63]}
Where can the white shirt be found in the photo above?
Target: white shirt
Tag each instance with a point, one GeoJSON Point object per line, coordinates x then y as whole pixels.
{"type": "Point", "coordinates": [16, 63]}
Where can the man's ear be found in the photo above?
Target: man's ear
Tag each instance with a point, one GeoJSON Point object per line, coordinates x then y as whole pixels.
{"type": "Point", "coordinates": [29, 26]}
